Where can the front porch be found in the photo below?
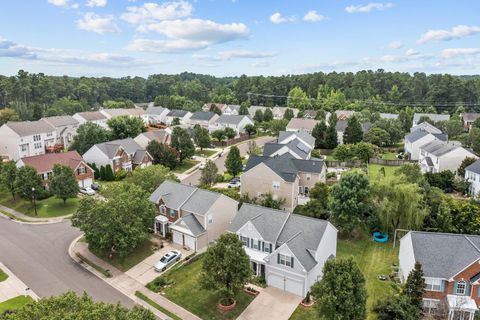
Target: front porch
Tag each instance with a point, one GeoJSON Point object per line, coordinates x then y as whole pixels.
{"type": "Point", "coordinates": [257, 261]}
{"type": "Point", "coordinates": [461, 307]}
{"type": "Point", "coordinates": [160, 226]}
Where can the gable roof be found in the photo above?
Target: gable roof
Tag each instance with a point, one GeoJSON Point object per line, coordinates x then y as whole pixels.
{"type": "Point", "coordinates": [470, 116]}
{"type": "Point", "coordinates": [176, 113]}
{"type": "Point", "coordinates": [344, 114]}
{"type": "Point", "coordinates": [296, 146]}
{"type": "Point", "coordinates": [310, 114]}
{"type": "Point", "coordinates": [135, 111]}
{"type": "Point", "coordinates": [116, 112]}
{"type": "Point", "coordinates": [28, 128]}
{"type": "Point", "coordinates": [302, 124]}
{"type": "Point", "coordinates": [341, 125]}
{"type": "Point", "coordinates": [45, 162]}
{"type": "Point", "coordinates": [200, 201]}
{"type": "Point", "coordinates": [92, 115]}
{"type": "Point", "coordinates": [432, 116]}
{"type": "Point", "coordinates": [474, 167]}
{"type": "Point", "coordinates": [303, 135]}
{"type": "Point", "coordinates": [426, 126]}
{"type": "Point", "coordinates": [110, 148]}
{"type": "Point", "coordinates": [301, 234]}
{"type": "Point", "coordinates": [192, 224]}
{"type": "Point", "coordinates": [60, 121]}
{"type": "Point", "coordinates": [161, 135]}
{"type": "Point", "coordinates": [232, 119]}
{"type": "Point", "coordinates": [439, 148]}
{"type": "Point", "coordinates": [156, 110]}
{"type": "Point", "coordinates": [443, 255]}
{"type": "Point", "coordinates": [202, 115]}
{"type": "Point", "coordinates": [388, 116]}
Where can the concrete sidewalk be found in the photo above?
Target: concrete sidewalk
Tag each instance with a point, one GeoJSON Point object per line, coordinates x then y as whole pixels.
{"type": "Point", "coordinates": [13, 287]}
{"type": "Point", "coordinates": [126, 284]}
{"type": "Point", "coordinates": [19, 217]}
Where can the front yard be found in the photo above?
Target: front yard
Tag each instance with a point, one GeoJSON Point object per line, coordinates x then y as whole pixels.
{"type": "Point", "coordinates": [143, 251]}
{"type": "Point", "coordinates": [205, 153]}
{"type": "Point", "coordinates": [185, 165]}
{"type": "Point", "coordinates": [186, 291]}
{"type": "Point", "coordinates": [46, 208]}
{"type": "Point", "coordinates": [14, 303]}
{"type": "Point", "coordinates": [373, 259]}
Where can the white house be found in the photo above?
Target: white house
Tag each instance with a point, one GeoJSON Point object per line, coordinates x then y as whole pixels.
{"type": "Point", "coordinates": [289, 250]}
{"type": "Point", "coordinates": [65, 129]}
{"type": "Point", "coordinates": [437, 156]}
{"type": "Point", "coordinates": [156, 115]}
{"type": "Point", "coordinates": [472, 175]}
{"type": "Point", "coordinates": [285, 137]}
{"type": "Point", "coordinates": [236, 122]}
{"type": "Point", "coordinates": [432, 116]}
{"type": "Point", "coordinates": [417, 138]}
{"type": "Point", "coordinates": [203, 118]}
{"type": "Point", "coordinates": [21, 139]}
{"type": "Point", "coordinates": [279, 112]}
{"type": "Point", "coordinates": [232, 109]}
{"type": "Point", "coordinates": [183, 116]}
{"type": "Point", "coordinates": [298, 144]}
{"type": "Point", "coordinates": [92, 116]}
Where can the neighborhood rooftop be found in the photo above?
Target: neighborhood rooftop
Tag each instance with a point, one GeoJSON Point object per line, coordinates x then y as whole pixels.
{"type": "Point", "coordinates": [92, 115]}
{"type": "Point", "coordinates": [177, 113]}
{"type": "Point", "coordinates": [439, 148]}
{"type": "Point", "coordinates": [60, 121]}
{"type": "Point", "coordinates": [45, 162]}
{"type": "Point", "coordinates": [28, 128]}
{"type": "Point", "coordinates": [202, 115]}
{"type": "Point", "coordinates": [474, 167]}
{"type": "Point", "coordinates": [432, 116]}
{"type": "Point", "coordinates": [230, 119]}
{"type": "Point", "coordinates": [110, 148]}
{"type": "Point", "coordinates": [304, 136]}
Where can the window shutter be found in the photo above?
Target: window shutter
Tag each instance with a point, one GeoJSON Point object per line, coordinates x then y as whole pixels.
{"type": "Point", "coordinates": [271, 248]}
{"type": "Point", "coordinates": [251, 242]}
{"type": "Point", "coordinates": [291, 259]}
{"type": "Point", "coordinates": [278, 258]}
{"type": "Point", "coordinates": [455, 287]}
{"type": "Point", "coordinates": [467, 289]}
{"type": "Point", "coordinates": [263, 246]}
{"type": "Point", "coordinates": [442, 286]}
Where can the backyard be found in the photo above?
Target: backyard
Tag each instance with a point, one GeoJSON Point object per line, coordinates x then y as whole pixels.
{"type": "Point", "coordinates": [374, 170]}
{"type": "Point", "coordinates": [373, 259]}
{"type": "Point", "coordinates": [186, 291]}
{"type": "Point", "coordinates": [14, 303]}
{"type": "Point", "coordinates": [46, 208]}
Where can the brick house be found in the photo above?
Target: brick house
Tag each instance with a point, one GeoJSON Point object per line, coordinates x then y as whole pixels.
{"type": "Point", "coordinates": [451, 267]}
{"type": "Point", "coordinates": [44, 165]}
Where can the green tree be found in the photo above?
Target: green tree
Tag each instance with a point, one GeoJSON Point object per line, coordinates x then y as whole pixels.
{"type": "Point", "coordinates": [102, 173]}
{"type": "Point", "coordinates": [182, 142]}
{"type": "Point", "coordinates": [297, 98]}
{"type": "Point", "coordinates": [317, 207]}
{"type": "Point", "coordinates": [319, 133]}
{"type": "Point", "coordinates": [163, 154]}
{"type": "Point", "coordinates": [63, 183]}
{"type": "Point", "coordinates": [465, 163]}
{"type": "Point", "coordinates": [378, 137]}
{"type": "Point", "coordinates": [267, 115]}
{"type": "Point", "coordinates": [230, 133]}
{"type": "Point", "coordinates": [331, 137]}
{"type": "Point", "coordinates": [341, 294]}
{"type": "Point", "coordinates": [215, 109]}
{"type": "Point", "coordinates": [125, 127]}
{"type": "Point", "coordinates": [288, 114]}
{"type": "Point", "coordinates": [364, 151]}
{"type": "Point", "coordinates": [118, 223]}
{"type": "Point", "coordinates": [267, 200]}
{"type": "Point", "coordinates": [258, 116]}
{"type": "Point", "coordinates": [234, 161]}
{"type": "Point", "coordinates": [348, 204]}
{"type": "Point", "coordinates": [225, 267]}
{"type": "Point", "coordinates": [250, 129]}
{"type": "Point", "coordinates": [398, 307]}
{"type": "Point", "coordinates": [8, 114]}
{"type": "Point", "coordinates": [209, 174]}
{"type": "Point", "coordinates": [176, 121]}
{"type": "Point", "coordinates": [88, 134]}
{"type": "Point", "coordinates": [219, 135]}
{"type": "Point", "coordinates": [71, 306]}
{"type": "Point", "coordinates": [8, 174]}
{"type": "Point", "coordinates": [415, 286]}
{"type": "Point", "coordinates": [27, 183]}
{"type": "Point", "coordinates": [406, 119]}
{"type": "Point", "coordinates": [277, 125]}
{"type": "Point", "coordinates": [244, 108]}
{"type": "Point", "coordinates": [201, 137]}
{"type": "Point", "coordinates": [344, 152]}
{"type": "Point", "coordinates": [474, 137]}
{"type": "Point", "coordinates": [149, 178]}
{"type": "Point", "coordinates": [109, 175]}
{"type": "Point", "coordinates": [353, 132]}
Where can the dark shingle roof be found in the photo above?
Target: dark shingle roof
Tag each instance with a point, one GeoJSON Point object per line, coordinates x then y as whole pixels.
{"type": "Point", "coordinates": [302, 135]}
{"type": "Point", "coordinates": [193, 225]}
{"type": "Point", "coordinates": [443, 255]}
{"type": "Point", "coordinates": [296, 146]}
{"type": "Point", "coordinates": [415, 135]}
{"type": "Point", "coordinates": [201, 201]}
{"type": "Point", "coordinates": [474, 167]}
{"type": "Point", "coordinates": [174, 194]}
{"type": "Point", "coordinates": [439, 148]}
{"type": "Point", "coordinates": [177, 113]}
{"type": "Point", "coordinates": [111, 147]}
{"type": "Point", "coordinates": [202, 115]}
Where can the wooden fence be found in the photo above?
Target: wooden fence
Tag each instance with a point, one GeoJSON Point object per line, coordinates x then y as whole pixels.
{"type": "Point", "coordinates": [230, 142]}
{"type": "Point", "coordinates": [397, 162]}
{"type": "Point", "coordinates": [359, 163]}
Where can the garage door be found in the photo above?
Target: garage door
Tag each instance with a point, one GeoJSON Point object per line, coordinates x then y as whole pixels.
{"type": "Point", "coordinates": [285, 283]}
{"type": "Point", "coordinates": [190, 242]}
{"type": "Point", "coordinates": [177, 237]}
{"type": "Point", "coordinates": [85, 183]}
{"type": "Point", "coordinates": [183, 239]}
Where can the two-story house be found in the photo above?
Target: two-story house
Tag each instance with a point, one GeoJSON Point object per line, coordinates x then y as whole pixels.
{"type": "Point", "coordinates": [432, 116]}
{"type": "Point", "coordinates": [162, 136]}
{"type": "Point", "coordinates": [451, 268]}
{"type": "Point", "coordinates": [299, 144]}
{"type": "Point", "coordinates": [124, 154]}
{"type": "Point", "coordinates": [468, 119]}
{"type": "Point", "coordinates": [284, 177]}
{"type": "Point", "coordinates": [236, 122]}
{"type": "Point", "coordinates": [472, 175]}
{"type": "Point", "coordinates": [287, 249]}
{"type": "Point", "coordinates": [182, 115]}
{"type": "Point", "coordinates": [301, 124]}
{"type": "Point", "coordinates": [65, 129]}
{"type": "Point", "coordinates": [279, 112]}
{"type": "Point", "coordinates": [195, 217]}
{"type": "Point", "coordinates": [419, 136]}
{"type": "Point", "coordinates": [92, 116]}
{"type": "Point", "coordinates": [44, 163]}
{"type": "Point", "coordinates": [202, 118]}
{"type": "Point", "coordinates": [156, 115]}
{"type": "Point", "coordinates": [232, 109]}
{"type": "Point", "coordinates": [21, 139]}
{"type": "Point", "coordinates": [437, 156]}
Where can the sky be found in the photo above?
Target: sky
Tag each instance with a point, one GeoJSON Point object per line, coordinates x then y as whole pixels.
{"type": "Point", "coordinates": [120, 38]}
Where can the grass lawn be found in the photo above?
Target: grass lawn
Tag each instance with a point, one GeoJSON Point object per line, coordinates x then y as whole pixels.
{"type": "Point", "coordinates": [14, 303]}
{"type": "Point", "coordinates": [187, 292]}
{"type": "Point", "coordinates": [205, 153]}
{"type": "Point", "coordinates": [47, 208]}
{"type": "Point", "coordinates": [373, 259]}
{"type": "Point", "coordinates": [3, 276]}
{"type": "Point", "coordinates": [143, 251]}
{"type": "Point", "coordinates": [389, 156]}
{"type": "Point", "coordinates": [374, 170]}
{"type": "Point", "coordinates": [187, 164]}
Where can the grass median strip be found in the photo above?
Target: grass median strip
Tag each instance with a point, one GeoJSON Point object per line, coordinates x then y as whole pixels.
{"type": "Point", "coordinates": [106, 273]}
{"type": "Point", "coordinates": [156, 305]}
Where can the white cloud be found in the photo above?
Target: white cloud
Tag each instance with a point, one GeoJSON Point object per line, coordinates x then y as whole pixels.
{"type": "Point", "coordinates": [12, 49]}
{"type": "Point", "coordinates": [97, 23]}
{"type": "Point", "coordinates": [411, 52]}
{"type": "Point", "coordinates": [96, 3]}
{"type": "Point", "coordinates": [457, 32]}
{"type": "Point", "coordinates": [235, 54]}
{"type": "Point", "coordinates": [277, 18]}
{"type": "Point", "coordinates": [150, 12]}
{"type": "Point", "coordinates": [313, 16]}
{"type": "Point", "coordinates": [366, 8]}
{"type": "Point", "coordinates": [455, 52]}
{"type": "Point", "coordinates": [395, 45]}
{"type": "Point", "coordinates": [58, 3]}
{"type": "Point", "coordinates": [261, 64]}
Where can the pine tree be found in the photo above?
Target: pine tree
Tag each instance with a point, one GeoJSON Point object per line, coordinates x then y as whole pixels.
{"type": "Point", "coordinates": [102, 173]}
{"type": "Point", "coordinates": [109, 175]}
{"type": "Point", "coordinates": [319, 133]}
{"type": "Point", "coordinates": [353, 131]}
{"type": "Point", "coordinates": [234, 161]}
{"type": "Point", "coordinates": [415, 286]}
{"type": "Point", "coordinates": [331, 137]}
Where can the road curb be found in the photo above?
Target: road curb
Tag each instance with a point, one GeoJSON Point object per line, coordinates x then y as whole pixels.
{"type": "Point", "coordinates": [32, 221]}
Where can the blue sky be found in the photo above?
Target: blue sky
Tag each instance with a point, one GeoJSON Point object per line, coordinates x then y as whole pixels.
{"type": "Point", "coordinates": [233, 37]}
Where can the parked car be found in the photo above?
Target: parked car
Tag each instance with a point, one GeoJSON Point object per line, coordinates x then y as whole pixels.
{"type": "Point", "coordinates": [95, 186]}
{"type": "Point", "coordinates": [167, 260]}
{"type": "Point", "coordinates": [87, 190]}
{"type": "Point", "coordinates": [202, 166]}
{"type": "Point", "coordinates": [234, 183]}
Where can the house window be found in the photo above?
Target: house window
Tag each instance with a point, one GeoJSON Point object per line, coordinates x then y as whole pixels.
{"type": "Point", "coordinates": [116, 162]}
{"type": "Point", "coordinates": [276, 185]}
{"type": "Point", "coordinates": [267, 247]}
{"type": "Point", "coordinates": [23, 147]}
{"type": "Point", "coordinates": [285, 260]}
{"type": "Point", "coordinates": [306, 190]}
{"type": "Point", "coordinates": [210, 219]}
{"type": "Point", "coordinates": [173, 213]}
{"type": "Point", "coordinates": [461, 288]}
{"type": "Point", "coordinates": [36, 137]}
{"type": "Point", "coordinates": [81, 170]}
{"type": "Point", "coordinates": [49, 134]}
{"type": "Point", "coordinates": [245, 241]}
{"type": "Point", "coordinates": [430, 304]}
{"type": "Point", "coordinates": [433, 284]}
{"type": "Point", "coordinates": [163, 209]}
{"type": "Point", "coordinates": [308, 176]}
{"type": "Point", "coordinates": [255, 244]}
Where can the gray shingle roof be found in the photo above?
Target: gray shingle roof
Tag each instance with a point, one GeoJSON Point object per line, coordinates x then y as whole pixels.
{"type": "Point", "coordinates": [92, 115]}
{"type": "Point", "coordinates": [296, 146]}
{"type": "Point", "coordinates": [426, 126]}
{"type": "Point", "coordinates": [302, 124]}
{"type": "Point", "coordinates": [415, 135]}
{"type": "Point", "coordinates": [174, 194]}
{"type": "Point", "coordinates": [201, 201]}
{"type": "Point", "coordinates": [474, 167]}
{"type": "Point", "coordinates": [341, 125]}
{"type": "Point", "coordinates": [193, 225]}
{"type": "Point", "coordinates": [28, 128]}
{"type": "Point", "coordinates": [202, 115]}
{"type": "Point", "coordinates": [231, 119]}
{"type": "Point", "coordinates": [303, 135]}
{"type": "Point", "coordinates": [60, 121]}
{"type": "Point", "coordinates": [155, 110]}
{"type": "Point", "coordinates": [139, 155]}
{"type": "Point", "coordinates": [443, 255]}
{"type": "Point", "coordinates": [388, 116]}
{"type": "Point", "coordinates": [438, 148]}
{"type": "Point", "coordinates": [111, 147]}
{"type": "Point", "coordinates": [116, 112]}
{"type": "Point", "coordinates": [433, 116]}
{"type": "Point", "coordinates": [177, 113]}
{"type": "Point", "coordinates": [301, 234]}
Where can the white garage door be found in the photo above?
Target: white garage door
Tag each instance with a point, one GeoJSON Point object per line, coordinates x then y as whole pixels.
{"type": "Point", "coordinates": [285, 283]}
{"type": "Point", "coordinates": [183, 240]}
{"type": "Point", "coordinates": [85, 183]}
{"type": "Point", "coordinates": [190, 242]}
{"type": "Point", "coordinates": [177, 237]}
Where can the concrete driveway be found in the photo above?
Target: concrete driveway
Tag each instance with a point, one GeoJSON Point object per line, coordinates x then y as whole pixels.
{"type": "Point", "coordinates": [271, 303]}
{"type": "Point", "coordinates": [144, 271]}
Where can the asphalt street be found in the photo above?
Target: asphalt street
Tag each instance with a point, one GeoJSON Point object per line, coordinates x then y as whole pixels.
{"type": "Point", "coordinates": [38, 255]}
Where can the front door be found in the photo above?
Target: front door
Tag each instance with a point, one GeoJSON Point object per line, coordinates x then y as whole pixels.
{"type": "Point", "coordinates": [254, 268]}
{"type": "Point", "coordinates": [262, 270]}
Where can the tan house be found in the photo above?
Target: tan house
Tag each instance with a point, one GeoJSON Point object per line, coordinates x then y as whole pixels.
{"type": "Point", "coordinates": [162, 136]}
{"type": "Point", "coordinates": [195, 217]}
{"type": "Point", "coordinates": [300, 124]}
{"type": "Point", "coordinates": [283, 177]}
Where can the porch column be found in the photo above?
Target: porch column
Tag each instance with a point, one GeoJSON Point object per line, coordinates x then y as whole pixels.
{"type": "Point", "coordinates": [164, 232]}
{"type": "Point", "coordinates": [472, 314]}
{"type": "Point", "coordinates": [155, 227]}
{"type": "Point", "coordinates": [450, 314]}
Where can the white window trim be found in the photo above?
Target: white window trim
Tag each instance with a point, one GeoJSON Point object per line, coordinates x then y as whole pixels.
{"type": "Point", "coordinates": [431, 284]}
{"type": "Point", "coordinates": [287, 260]}
{"type": "Point", "coordinates": [461, 292]}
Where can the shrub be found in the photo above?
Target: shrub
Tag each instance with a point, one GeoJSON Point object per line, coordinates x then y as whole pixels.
{"type": "Point", "coordinates": [120, 175]}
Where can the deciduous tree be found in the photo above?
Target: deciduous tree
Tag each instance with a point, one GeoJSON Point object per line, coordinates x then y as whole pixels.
{"type": "Point", "coordinates": [163, 154]}
{"type": "Point", "coordinates": [201, 137]}
{"type": "Point", "coordinates": [125, 127]}
{"type": "Point", "coordinates": [149, 178]}
{"type": "Point", "coordinates": [209, 174]}
{"type": "Point", "coordinates": [88, 134]}
{"type": "Point", "coordinates": [8, 174]}
{"type": "Point", "coordinates": [234, 161]}
{"type": "Point", "coordinates": [63, 183]}
{"type": "Point", "coordinates": [182, 142]}
{"type": "Point", "coordinates": [27, 183]}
